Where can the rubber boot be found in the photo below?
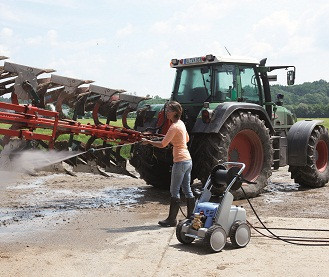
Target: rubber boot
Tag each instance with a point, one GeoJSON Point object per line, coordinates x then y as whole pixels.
{"type": "Point", "coordinates": [173, 211]}
{"type": "Point", "coordinates": [190, 206]}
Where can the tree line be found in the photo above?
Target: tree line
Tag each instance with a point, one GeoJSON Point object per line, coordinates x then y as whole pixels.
{"type": "Point", "coordinates": [310, 99]}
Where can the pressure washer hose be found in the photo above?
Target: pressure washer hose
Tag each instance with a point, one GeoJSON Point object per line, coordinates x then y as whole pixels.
{"type": "Point", "coordinates": [288, 239]}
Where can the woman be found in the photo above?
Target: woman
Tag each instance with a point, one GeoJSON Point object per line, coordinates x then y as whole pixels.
{"type": "Point", "coordinates": [182, 167]}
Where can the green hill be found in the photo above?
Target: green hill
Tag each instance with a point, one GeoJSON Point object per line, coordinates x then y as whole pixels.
{"type": "Point", "coordinates": [310, 99]}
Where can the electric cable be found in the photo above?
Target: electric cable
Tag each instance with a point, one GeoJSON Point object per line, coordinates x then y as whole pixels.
{"type": "Point", "coordinates": [291, 238]}
{"type": "Point", "coordinates": [180, 208]}
{"type": "Point", "coordinates": [295, 229]}
{"type": "Point", "coordinates": [274, 236]}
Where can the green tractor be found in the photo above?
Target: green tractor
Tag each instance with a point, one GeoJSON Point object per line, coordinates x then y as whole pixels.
{"type": "Point", "coordinates": [230, 116]}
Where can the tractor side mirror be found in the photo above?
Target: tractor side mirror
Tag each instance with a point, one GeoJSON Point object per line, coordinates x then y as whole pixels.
{"type": "Point", "coordinates": [290, 77]}
{"type": "Point", "coordinates": [279, 99]}
{"type": "Point", "coordinates": [280, 96]}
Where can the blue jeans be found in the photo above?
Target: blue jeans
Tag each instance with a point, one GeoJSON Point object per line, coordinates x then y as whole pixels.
{"type": "Point", "coordinates": [181, 177]}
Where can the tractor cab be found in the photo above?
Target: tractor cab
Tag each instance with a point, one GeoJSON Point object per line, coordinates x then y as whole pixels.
{"type": "Point", "coordinates": [214, 79]}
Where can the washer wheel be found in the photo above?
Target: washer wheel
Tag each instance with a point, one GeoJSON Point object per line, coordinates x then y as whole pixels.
{"type": "Point", "coordinates": [240, 234]}
{"type": "Point", "coordinates": [181, 235]}
{"type": "Point", "coordinates": [215, 238]}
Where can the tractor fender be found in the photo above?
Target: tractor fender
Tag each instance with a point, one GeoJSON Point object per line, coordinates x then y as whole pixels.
{"type": "Point", "coordinates": [224, 110]}
{"type": "Point", "coordinates": [298, 137]}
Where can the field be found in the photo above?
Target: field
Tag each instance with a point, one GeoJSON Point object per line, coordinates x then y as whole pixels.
{"type": "Point", "coordinates": [325, 121]}
{"type": "Point", "coordinates": [130, 122]}
{"type": "Point", "coordinates": [125, 150]}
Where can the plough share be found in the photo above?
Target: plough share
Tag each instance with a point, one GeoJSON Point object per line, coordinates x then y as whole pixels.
{"type": "Point", "coordinates": [26, 115]}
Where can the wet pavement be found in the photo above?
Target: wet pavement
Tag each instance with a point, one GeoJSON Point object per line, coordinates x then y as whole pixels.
{"type": "Point", "coordinates": [49, 197]}
{"type": "Point", "coordinates": [61, 225]}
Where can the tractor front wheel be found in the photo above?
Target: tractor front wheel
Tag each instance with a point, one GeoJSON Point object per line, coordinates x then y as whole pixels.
{"type": "Point", "coordinates": [316, 172]}
{"type": "Point", "coordinates": [153, 171]}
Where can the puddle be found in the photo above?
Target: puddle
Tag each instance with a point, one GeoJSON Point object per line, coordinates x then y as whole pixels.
{"type": "Point", "coordinates": [20, 223]}
{"type": "Point", "coordinates": [37, 201]}
{"type": "Point", "coordinates": [44, 198]}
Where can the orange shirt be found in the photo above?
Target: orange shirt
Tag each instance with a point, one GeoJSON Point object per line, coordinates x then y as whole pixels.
{"type": "Point", "coordinates": [178, 137]}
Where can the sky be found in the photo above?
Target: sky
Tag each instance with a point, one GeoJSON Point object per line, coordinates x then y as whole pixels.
{"type": "Point", "coordinates": [129, 44]}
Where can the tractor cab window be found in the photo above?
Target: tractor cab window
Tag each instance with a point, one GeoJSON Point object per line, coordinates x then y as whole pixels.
{"type": "Point", "coordinates": [225, 83]}
{"type": "Point", "coordinates": [249, 87]}
{"type": "Point", "coordinates": [193, 85]}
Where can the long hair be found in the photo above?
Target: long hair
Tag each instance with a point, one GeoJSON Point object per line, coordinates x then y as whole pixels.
{"type": "Point", "coordinates": [175, 107]}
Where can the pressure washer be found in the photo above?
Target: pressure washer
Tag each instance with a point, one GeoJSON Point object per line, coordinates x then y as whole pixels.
{"type": "Point", "coordinates": [215, 222]}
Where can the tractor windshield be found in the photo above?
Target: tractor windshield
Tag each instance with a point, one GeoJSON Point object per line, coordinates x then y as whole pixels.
{"type": "Point", "coordinates": [192, 85]}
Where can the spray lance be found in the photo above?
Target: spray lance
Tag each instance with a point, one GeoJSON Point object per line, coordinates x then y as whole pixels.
{"type": "Point", "coordinates": [31, 159]}
{"type": "Point", "coordinates": [153, 137]}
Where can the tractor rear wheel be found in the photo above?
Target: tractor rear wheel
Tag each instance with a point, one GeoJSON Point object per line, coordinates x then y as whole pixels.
{"type": "Point", "coordinates": [243, 138]}
{"type": "Point", "coordinates": [316, 172]}
{"type": "Point", "coordinates": [153, 171]}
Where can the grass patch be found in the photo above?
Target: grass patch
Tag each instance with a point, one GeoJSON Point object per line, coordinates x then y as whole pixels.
{"type": "Point", "coordinates": [118, 123]}
{"type": "Point", "coordinates": [125, 150]}
{"type": "Point", "coordinates": [325, 121]}
{"type": "Point", "coordinates": [80, 137]}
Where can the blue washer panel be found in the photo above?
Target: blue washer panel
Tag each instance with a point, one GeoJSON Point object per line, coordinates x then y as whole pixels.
{"type": "Point", "coordinates": [209, 210]}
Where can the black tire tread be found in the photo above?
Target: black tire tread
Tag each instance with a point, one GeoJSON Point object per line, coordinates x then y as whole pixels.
{"type": "Point", "coordinates": [154, 172]}
{"type": "Point", "coordinates": [206, 239]}
{"type": "Point", "coordinates": [308, 175]}
{"type": "Point", "coordinates": [185, 240]}
{"type": "Point", "coordinates": [208, 150]}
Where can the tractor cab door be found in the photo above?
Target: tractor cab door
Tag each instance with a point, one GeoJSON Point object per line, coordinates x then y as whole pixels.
{"type": "Point", "coordinates": [248, 85]}
{"type": "Point", "coordinates": [225, 84]}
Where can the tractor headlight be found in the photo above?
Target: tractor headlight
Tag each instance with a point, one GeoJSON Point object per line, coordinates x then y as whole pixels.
{"type": "Point", "coordinates": [174, 62]}
{"type": "Point", "coordinates": [210, 58]}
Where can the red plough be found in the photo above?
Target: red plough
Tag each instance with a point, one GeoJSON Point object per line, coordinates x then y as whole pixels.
{"type": "Point", "coordinates": [25, 120]}
{"type": "Point", "coordinates": [28, 118]}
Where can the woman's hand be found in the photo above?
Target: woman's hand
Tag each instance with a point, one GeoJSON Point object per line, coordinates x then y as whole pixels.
{"type": "Point", "coordinates": [152, 142]}
{"type": "Point", "coordinates": [145, 141]}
